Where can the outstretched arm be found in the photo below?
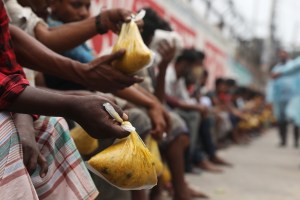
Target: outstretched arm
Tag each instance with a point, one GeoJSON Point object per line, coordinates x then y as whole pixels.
{"type": "Point", "coordinates": [70, 35]}
{"type": "Point", "coordinates": [88, 111]}
{"type": "Point", "coordinates": [96, 75]}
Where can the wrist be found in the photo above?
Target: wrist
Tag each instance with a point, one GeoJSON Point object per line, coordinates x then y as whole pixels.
{"type": "Point", "coordinates": [70, 105]}
{"type": "Point", "coordinates": [24, 123]}
{"type": "Point", "coordinates": [153, 104]}
{"type": "Point", "coordinates": [99, 26]}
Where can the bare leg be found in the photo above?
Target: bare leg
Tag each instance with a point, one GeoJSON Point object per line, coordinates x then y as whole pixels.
{"type": "Point", "coordinates": [219, 161]}
{"type": "Point", "coordinates": [175, 159]}
{"type": "Point", "coordinates": [139, 195]}
{"type": "Point", "coordinates": [155, 193]}
{"type": "Point", "coordinates": [209, 166]}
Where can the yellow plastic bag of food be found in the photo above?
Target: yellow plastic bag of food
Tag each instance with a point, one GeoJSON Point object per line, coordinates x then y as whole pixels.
{"type": "Point", "coordinates": [127, 164]}
{"type": "Point", "coordinates": [83, 141]}
{"type": "Point", "coordinates": [137, 55]}
{"type": "Point", "coordinates": [153, 148]}
{"type": "Point", "coordinates": [166, 174]}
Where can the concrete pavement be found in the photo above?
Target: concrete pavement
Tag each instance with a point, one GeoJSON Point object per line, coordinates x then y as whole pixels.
{"type": "Point", "coordinates": [262, 171]}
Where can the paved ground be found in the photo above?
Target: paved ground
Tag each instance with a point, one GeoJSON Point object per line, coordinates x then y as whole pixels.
{"type": "Point", "coordinates": [262, 171]}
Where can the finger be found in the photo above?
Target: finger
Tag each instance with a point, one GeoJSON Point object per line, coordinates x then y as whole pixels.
{"type": "Point", "coordinates": [25, 157]}
{"type": "Point", "coordinates": [156, 134]}
{"type": "Point", "coordinates": [114, 56]}
{"type": "Point", "coordinates": [117, 131]}
{"type": "Point", "coordinates": [43, 165]}
{"type": "Point", "coordinates": [125, 15]}
{"type": "Point", "coordinates": [168, 123]}
{"type": "Point", "coordinates": [174, 43]}
{"type": "Point", "coordinates": [112, 26]}
{"type": "Point", "coordinates": [32, 164]}
{"type": "Point", "coordinates": [107, 59]}
{"type": "Point", "coordinates": [140, 24]}
{"type": "Point", "coordinates": [118, 110]}
{"type": "Point", "coordinates": [138, 79]}
{"type": "Point", "coordinates": [125, 117]}
{"type": "Point", "coordinates": [119, 26]}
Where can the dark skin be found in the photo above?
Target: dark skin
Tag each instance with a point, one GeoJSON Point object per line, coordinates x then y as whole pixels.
{"type": "Point", "coordinates": [86, 110]}
{"type": "Point", "coordinates": [58, 38]}
{"type": "Point", "coordinates": [31, 154]}
{"type": "Point", "coordinates": [167, 53]}
{"type": "Point", "coordinates": [159, 117]}
{"type": "Point", "coordinates": [96, 75]}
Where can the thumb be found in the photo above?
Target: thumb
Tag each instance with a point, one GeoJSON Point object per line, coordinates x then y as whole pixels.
{"type": "Point", "coordinates": [43, 164]}
{"type": "Point", "coordinates": [107, 59]}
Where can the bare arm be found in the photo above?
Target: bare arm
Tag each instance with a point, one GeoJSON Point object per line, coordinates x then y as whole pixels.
{"type": "Point", "coordinates": [96, 75]}
{"type": "Point", "coordinates": [70, 35]}
{"type": "Point", "coordinates": [160, 86]}
{"type": "Point", "coordinates": [88, 111]}
{"type": "Point", "coordinates": [65, 37]}
{"type": "Point", "coordinates": [167, 53]}
{"type": "Point", "coordinates": [31, 153]}
{"type": "Point", "coordinates": [159, 117]}
{"type": "Point", "coordinates": [32, 54]}
{"type": "Point", "coordinates": [174, 102]}
{"type": "Point", "coordinates": [135, 96]}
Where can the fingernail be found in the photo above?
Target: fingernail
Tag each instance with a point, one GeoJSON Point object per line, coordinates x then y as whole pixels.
{"type": "Point", "coordinates": [125, 117]}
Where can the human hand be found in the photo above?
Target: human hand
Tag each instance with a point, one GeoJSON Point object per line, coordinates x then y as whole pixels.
{"type": "Point", "coordinates": [167, 53]}
{"type": "Point", "coordinates": [112, 19]}
{"type": "Point", "coordinates": [31, 154]}
{"type": "Point", "coordinates": [203, 109]}
{"type": "Point", "coordinates": [159, 121]}
{"type": "Point", "coordinates": [100, 75]}
{"type": "Point", "coordinates": [89, 112]}
{"type": "Point", "coordinates": [275, 75]}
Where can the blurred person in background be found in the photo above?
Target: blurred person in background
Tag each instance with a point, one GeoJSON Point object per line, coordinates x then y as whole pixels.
{"type": "Point", "coordinates": [179, 99]}
{"type": "Point", "coordinates": [283, 89]}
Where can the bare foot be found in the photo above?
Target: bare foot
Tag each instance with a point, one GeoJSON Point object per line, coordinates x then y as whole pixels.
{"type": "Point", "coordinates": [196, 193]}
{"type": "Point", "coordinates": [208, 166]}
{"type": "Point", "coordinates": [183, 195]}
{"type": "Point", "coordinates": [219, 161]}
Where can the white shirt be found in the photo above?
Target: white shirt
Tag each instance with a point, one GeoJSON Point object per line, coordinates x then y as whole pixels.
{"type": "Point", "coordinates": [176, 87]}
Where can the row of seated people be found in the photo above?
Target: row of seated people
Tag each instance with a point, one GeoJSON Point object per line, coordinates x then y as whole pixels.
{"type": "Point", "coordinates": [171, 104]}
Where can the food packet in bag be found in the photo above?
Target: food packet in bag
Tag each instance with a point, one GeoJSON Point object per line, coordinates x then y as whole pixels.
{"type": "Point", "coordinates": [83, 141]}
{"type": "Point", "coordinates": [153, 148]}
{"type": "Point", "coordinates": [137, 55]}
{"type": "Point", "coordinates": [127, 164]}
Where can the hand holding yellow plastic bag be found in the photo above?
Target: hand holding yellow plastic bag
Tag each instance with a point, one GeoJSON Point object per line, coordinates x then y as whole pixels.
{"type": "Point", "coordinates": [127, 164]}
{"type": "Point", "coordinates": [137, 55]}
{"type": "Point", "coordinates": [83, 141]}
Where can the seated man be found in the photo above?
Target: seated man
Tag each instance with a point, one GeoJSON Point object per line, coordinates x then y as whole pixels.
{"type": "Point", "coordinates": [18, 96]}
{"type": "Point", "coordinates": [179, 99]}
